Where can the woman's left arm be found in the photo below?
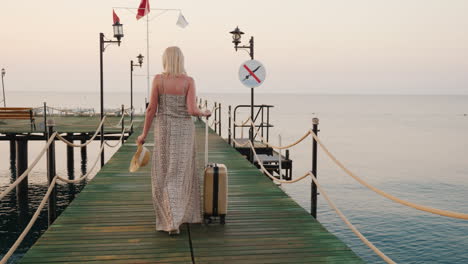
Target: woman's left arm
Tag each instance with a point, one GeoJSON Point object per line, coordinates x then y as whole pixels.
{"type": "Point", "coordinates": [150, 111]}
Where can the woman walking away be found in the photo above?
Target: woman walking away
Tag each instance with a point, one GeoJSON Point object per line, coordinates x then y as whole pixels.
{"type": "Point", "coordinates": [175, 183]}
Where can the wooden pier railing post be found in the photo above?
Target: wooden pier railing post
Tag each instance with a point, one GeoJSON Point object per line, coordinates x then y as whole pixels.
{"type": "Point", "coordinates": [84, 153]}
{"type": "Point", "coordinates": [22, 187]}
{"type": "Point", "coordinates": [313, 204]}
{"type": "Point", "coordinates": [229, 125]}
{"type": "Point", "coordinates": [215, 117]}
{"type": "Point", "coordinates": [70, 157]}
{"type": "Point", "coordinates": [123, 124]}
{"type": "Point", "coordinates": [52, 213]}
{"type": "Point", "coordinates": [219, 122]}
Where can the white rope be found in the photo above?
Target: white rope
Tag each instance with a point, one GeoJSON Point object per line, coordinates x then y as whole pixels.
{"type": "Point", "coordinates": [349, 224]}
{"type": "Point", "coordinates": [214, 122]}
{"type": "Point", "coordinates": [354, 229]}
{"type": "Point", "coordinates": [30, 224]}
{"type": "Point", "coordinates": [49, 191]}
{"type": "Point", "coordinates": [242, 126]}
{"type": "Point", "coordinates": [242, 123]}
{"type": "Point", "coordinates": [386, 195]}
{"type": "Point", "coordinates": [268, 173]}
{"type": "Point", "coordinates": [86, 143]}
{"type": "Point", "coordinates": [28, 170]}
{"type": "Point", "coordinates": [89, 171]}
{"type": "Point", "coordinates": [281, 147]}
{"type": "Point", "coordinates": [119, 123]}
{"type": "Point", "coordinates": [120, 138]}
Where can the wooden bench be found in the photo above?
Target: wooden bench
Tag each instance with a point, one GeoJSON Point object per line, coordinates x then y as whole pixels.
{"type": "Point", "coordinates": [22, 113]}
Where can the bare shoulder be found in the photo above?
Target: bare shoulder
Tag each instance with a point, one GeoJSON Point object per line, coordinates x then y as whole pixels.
{"type": "Point", "coordinates": [189, 78]}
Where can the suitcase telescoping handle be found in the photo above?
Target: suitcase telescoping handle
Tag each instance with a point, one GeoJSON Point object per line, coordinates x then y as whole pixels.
{"type": "Point", "coordinates": [206, 142]}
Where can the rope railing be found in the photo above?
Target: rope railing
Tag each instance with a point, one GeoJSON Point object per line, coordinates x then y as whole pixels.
{"type": "Point", "coordinates": [280, 147]}
{"type": "Point", "coordinates": [42, 204]}
{"type": "Point", "coordinates": [87, 142]}
{"type": "Point", "coordinates": [89, 171]}
{"type": "Point", "coordinates": [51, 185]}
{"type": "Point", "coordinates": [28, 170]}
{"type": "Point", "coordinates": [214, 122]}
{"type": "Point", "coordinates": [348, 172]}
{"type": "Point", "coordinates": [361, 181]}
{"type": "Point", "coordinates": [120, 121]}
{"type": "Point", "coordinates": [340, 214]}
{"type": "Point", "coordinates": [384, 194]}
{"type": "Point", "coordinates": [242, 127]}
{"type": "Point", "coordinates": [31, 222]}
{"type": "Point", "coordinates": [349, 224]}
{"type": "Point", "coordinates": [120, 138]}
{"type": "Point", "coordinates": [66, 111]}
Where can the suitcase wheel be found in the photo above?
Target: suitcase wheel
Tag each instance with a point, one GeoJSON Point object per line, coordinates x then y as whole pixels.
{"type": "Point", "coordinates": [222, 219]}
{"type": "Point", "coordinates": [207, 220]}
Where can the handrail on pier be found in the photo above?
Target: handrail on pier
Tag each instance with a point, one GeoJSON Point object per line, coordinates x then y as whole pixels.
{"type": "Point", "coordinates": [53, 181]}
{"type": "Point", "coordinates": [315, 138]}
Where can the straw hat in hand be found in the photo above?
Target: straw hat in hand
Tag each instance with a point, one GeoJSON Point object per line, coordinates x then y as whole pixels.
{"type": "Point", "coordinates": [140, 159]}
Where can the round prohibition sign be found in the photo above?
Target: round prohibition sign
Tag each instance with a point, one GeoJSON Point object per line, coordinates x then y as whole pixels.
{"type": "Point", "coordinates": [252, 73]}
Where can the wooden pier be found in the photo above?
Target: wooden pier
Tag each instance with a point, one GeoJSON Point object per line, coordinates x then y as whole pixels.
{"type": "Point", "coordinates": [112, 220]}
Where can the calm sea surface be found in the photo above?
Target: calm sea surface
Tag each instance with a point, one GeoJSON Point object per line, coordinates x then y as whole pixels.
{"type": "Point", "coordinates": [414, 147]}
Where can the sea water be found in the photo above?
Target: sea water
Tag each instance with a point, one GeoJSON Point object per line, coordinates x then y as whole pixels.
{"type": "Point", "coordinates": [411, 146]}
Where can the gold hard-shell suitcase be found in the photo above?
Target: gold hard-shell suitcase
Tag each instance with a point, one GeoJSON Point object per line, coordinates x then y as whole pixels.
{"type": "Point", "coordinates": [215, 192]}
{"type": "Point", "coordinates": [215, 188]}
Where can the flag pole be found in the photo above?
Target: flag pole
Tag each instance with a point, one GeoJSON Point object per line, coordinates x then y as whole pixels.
{"type": "Point", "coordinates": [147, 42]}
{"type": "Point", "coordinates": [147, 58]}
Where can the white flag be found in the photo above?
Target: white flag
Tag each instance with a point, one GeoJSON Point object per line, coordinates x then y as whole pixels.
{"type": "Point", "coordinates": [181, 22]}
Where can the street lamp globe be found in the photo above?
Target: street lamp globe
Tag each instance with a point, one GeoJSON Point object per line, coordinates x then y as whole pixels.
{"type": "Point", "coordinates": [3, 72]}
{"type": "Point", "coordinates": [118, 31]}
{"type": "Point", "coordinates": [140, 59]}
{"type": "Point", "coordinates": [236, 35]}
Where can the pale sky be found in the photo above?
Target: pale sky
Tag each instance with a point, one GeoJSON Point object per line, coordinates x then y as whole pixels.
{"type": "Point", "coordinates": [307, 46]}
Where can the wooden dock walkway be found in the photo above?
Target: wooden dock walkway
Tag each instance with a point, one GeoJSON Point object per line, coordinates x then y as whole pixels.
{"type": "Point", "coordinates": [64, 124]}
{"type": "Point", "coordinates": [112, 221]}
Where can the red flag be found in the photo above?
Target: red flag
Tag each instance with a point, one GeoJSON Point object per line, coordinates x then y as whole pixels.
{"type": "Point", "coordinates": [143, 9]}
{"type": "Point", "coordinates": [116, 18]}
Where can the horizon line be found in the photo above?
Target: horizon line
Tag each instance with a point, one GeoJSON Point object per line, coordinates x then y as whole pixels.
{"type": "Point", "coordinates": [259, 92]}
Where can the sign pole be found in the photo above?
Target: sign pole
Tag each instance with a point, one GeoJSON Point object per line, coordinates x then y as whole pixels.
{"type": "Point", "coordinates": [252, 74]}
{"type": "Point", "coordinates": [252, 104]}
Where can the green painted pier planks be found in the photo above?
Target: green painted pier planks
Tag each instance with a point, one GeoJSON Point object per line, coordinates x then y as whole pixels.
{"type": "Point", "coordinates": [112, 220]}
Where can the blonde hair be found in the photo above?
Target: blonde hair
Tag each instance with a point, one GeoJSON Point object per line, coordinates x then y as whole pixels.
{"type": "Point", "coordinates": [173, 61]}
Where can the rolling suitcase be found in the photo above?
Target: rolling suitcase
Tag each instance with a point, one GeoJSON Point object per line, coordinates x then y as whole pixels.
{"type": "Point", "coordinates": [215, 188]}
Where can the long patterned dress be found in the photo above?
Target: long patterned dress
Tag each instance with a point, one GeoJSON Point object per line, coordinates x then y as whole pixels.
{"type": "Point", "coordinates": [176, 185]}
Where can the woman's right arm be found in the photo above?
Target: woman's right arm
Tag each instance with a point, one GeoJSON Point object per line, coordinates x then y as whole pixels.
{"type": "Point", "coordinates": [192, 107]}
{"type": "Point", "coordinates": [150, 111]}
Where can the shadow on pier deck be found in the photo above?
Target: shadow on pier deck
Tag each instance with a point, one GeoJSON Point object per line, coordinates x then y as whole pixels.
{"type": "Point", "coordinates": [112, 221]}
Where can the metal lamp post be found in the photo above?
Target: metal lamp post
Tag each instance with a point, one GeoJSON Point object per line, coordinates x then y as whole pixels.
{"type": "Point", "coordinates": [3, 87]}
{"type": "Point", "coordinates": [140, 62]}
{"type": "Point", "coordinates": [118, 34]}
{"type": "Point", "coordinates": [236, 39]}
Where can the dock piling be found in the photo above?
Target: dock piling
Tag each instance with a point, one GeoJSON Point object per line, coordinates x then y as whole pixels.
{"type": "Point", "coordinates": [52, 213]}
{"type": "Point", "coordinates": [70, 157]}
{"type": "Point", "coordinates": [313, 204]}
{"type": "Point", "coordinates": [84, 152]}
{"type": "Point", "coordinates": [22, 166]}
{"type": "Point", "coordinates": [13, 150]}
